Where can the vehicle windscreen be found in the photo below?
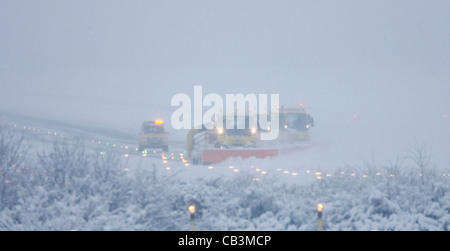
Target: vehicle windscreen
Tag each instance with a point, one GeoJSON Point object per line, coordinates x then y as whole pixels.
{"type": "Point", "coordinates": [295, 121]}
{"type": "Point", "coordinates": [153, 129]}
{"type": "Point", "coordinates": [238, 123]}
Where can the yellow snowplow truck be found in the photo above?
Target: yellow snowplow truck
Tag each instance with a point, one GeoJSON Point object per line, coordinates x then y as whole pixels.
{"type": "Point", "coordinates": [153, 136]}
{"type": "Point", "coordinates": [294, 125]}
{"type": "Point", "coordinates": [235, 137]}
{"type": "Point", "coordinates": [211, 146]}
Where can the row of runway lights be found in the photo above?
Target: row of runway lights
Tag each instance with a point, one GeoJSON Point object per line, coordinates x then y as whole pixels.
{"type": "Point", "coordinates": [44, 132]}
{"type": "Point", "coordinates": [33, 129]}
{"type": "Point", "coordinates": [128, 149]}
{"type": "Point", "coordinates": [60, 134]}
{"type": "Point", "coordinates": [318, 174]}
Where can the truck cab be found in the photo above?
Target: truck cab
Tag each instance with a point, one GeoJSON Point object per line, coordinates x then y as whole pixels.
{"type": "Point", "coordinates": [153, 136]}
{"type": "Point", "coordinates": [246, 137]}
{"type": "Point", "coordinates": [295, 125]}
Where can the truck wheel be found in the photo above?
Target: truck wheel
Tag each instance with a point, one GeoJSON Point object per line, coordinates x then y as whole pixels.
{"type": "Point", "coordinates": [195, 161]}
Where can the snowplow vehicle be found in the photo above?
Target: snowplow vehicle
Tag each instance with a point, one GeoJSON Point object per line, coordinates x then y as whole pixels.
{"type": "Point", "coordinates": [205, 146]}
{"type": "Point", "coordinates": [236, 137]}
{"type": "Point", "coordinates": [153, 136]}
{"type": "Point", "coordinates": [211, 146]}
{"type": "Point", "coordinates": [294, 125]}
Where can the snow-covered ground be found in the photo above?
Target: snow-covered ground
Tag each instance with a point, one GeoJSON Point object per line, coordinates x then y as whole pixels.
{"type": "Point", "coordinates": [77, 84]}
{"type": "Point", "coordinates": [72, 179]}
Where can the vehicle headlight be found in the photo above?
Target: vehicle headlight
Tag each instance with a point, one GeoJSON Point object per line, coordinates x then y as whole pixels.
{"type": "Point", "coordinates": [220, 131]}
{"type": "Point", "coordinates": [307, 126]}
{"type": "Point", "coordinates": [253, 131]}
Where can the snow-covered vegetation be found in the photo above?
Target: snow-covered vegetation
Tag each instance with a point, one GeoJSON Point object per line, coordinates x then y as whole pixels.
{"type": "Point", "coordinates": [72, 188]}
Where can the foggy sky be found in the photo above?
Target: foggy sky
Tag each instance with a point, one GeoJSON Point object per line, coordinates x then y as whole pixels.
{"type": "Point", "coordinates": [117, 63]}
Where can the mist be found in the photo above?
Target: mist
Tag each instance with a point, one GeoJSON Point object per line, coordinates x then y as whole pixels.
{"type": "Point", "coordinates": [374, 75]}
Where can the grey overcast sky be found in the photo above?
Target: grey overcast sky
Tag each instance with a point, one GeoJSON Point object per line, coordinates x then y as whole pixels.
{"type": "Point", "coordinates": [120, 62]}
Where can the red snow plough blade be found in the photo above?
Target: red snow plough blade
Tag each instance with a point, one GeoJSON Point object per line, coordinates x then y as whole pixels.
{"type": "Point", "coordinates": [216, 155]}
{"type": "Point", "coordinates": [219, 155]}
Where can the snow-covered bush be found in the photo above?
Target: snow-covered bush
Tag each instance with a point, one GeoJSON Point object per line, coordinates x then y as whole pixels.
{"type": "Point", "coordinates": [72, 188]}
{"type": "Point", "coordinates": [13, 166]}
